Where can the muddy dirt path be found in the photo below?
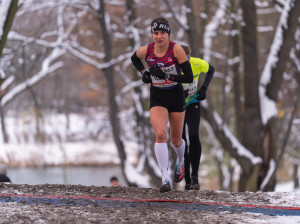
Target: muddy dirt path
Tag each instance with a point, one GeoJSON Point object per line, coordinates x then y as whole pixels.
{"type": "Point", "coordinates": [90, 204]}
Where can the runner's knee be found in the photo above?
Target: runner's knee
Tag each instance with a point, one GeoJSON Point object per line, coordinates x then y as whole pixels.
{"type": "Point", "coordinates": [161, 136]}
{"type": "Point", "coordinates": [177, 142]}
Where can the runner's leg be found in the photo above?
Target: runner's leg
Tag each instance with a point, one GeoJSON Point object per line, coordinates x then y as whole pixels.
{"type": "Point", "coordinates": [195, 149]}
{"type": "Point", "coordinates": [159, 120]}
{"type": "Point", "coordinates": [176, 125]}
{"type": "Point", "coordinates": [186, 158]}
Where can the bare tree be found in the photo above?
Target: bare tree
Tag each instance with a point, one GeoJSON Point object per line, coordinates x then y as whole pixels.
{"type": "Point", "coordinates": [9, 7]}
{"type": "Point", "coordinates": [109, 76]}
{"type": "Point", "coordinates": [258, 130]}
{"type": "Point", "coordinates": [247, 131]}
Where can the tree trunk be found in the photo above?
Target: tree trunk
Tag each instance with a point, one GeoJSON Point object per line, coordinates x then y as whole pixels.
{"type": "Point", "coordinates": [295, 176]}
{"type": "Point", "coordinates": [249, 163]}
{"type": "Point", "coordinates": [253, 130]}
{"type": "Point", "coordinates": [13, 8]}
{"type": "Point", "coordinates": [288, 42]}
{"type": "Point", "coordinates": [237, 81]}
{"type": "Point", "coordinates": [3, 127]}
{"type": "Point", "coordinates": [109, 76]}
{"type": "Point", "coordinates": [203, 22]}
{"type": "Point", "coordinates": [192, 31]}
{"type": "Point", "coordinates": [271, 129]}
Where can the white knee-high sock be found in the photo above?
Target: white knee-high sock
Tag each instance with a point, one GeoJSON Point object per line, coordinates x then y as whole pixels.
{"type": "Point", "coordinates": [162, 157]}
{"type": "Point", "coordinates": [180, 152]}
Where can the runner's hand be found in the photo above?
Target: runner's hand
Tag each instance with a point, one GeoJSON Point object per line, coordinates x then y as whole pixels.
{"type": "Point", "coordinates": [146, 77]}
{"type": "Point", "coordinates": [157, 72]}
{"type": "Point", "coordinates": [202, 93]}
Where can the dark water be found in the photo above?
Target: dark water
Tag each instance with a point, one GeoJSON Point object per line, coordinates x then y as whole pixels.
{"type": "Point", "coordinates": [97, 176]}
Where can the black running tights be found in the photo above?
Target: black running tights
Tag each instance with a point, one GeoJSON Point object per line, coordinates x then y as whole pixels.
{"type": "Point", "coordinates": [193, 150]}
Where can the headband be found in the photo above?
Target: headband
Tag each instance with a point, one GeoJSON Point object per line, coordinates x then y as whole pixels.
{"type": "Point", "coordinates": [160, 26]}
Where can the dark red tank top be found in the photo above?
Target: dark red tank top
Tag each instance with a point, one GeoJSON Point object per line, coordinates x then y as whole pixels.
{"type": "Point", "coordinates": [168, 63]}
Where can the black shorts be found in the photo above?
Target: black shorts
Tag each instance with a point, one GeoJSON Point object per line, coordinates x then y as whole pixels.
{"type": "Point", "coordinates": [172, 99]}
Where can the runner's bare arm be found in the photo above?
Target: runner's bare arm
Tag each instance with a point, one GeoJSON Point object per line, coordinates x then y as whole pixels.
{"type": "Point", "coordinates": [141, 52]}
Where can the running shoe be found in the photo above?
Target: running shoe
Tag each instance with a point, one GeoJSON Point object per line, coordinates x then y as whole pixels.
{"type": "Point", "coordinates": [179, 172]}
{"type": "Point", "coordinates": [195, 183]}
{"type": "Point", "coordinates": [187, 187]}
{"type": "Point", "coordinates": [166, 186]}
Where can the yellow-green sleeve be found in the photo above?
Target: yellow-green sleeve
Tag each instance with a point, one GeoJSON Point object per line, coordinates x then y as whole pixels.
{"type": "Point", "coordinates": [199, 65]}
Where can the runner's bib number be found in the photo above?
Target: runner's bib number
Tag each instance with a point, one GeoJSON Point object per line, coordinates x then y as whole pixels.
{"type": "Point", "coordinates": [190, 87]}
{"type": "Point", "coordinates": [162, 83]}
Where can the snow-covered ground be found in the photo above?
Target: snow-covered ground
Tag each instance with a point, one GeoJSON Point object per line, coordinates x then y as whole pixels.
{"type": "Point", "coordinates": [69, 144]}
{"type": "Point", "coordinates": [85, 141]}
{"type": "Point", "coordinates": [79, 153]}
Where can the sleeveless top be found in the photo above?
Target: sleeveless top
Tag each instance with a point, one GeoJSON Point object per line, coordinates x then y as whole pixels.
{"type": "Point", "coordinates": [168, 64]}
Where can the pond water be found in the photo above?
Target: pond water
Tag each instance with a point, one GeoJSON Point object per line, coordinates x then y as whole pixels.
{"type": "Point", "coordinates": [97, 176]}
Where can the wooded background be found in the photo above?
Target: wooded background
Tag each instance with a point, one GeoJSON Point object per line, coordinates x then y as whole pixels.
{"type": "Point", "coordinates": [67, 56]}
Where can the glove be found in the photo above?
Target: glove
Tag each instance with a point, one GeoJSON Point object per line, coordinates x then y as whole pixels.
{"type": "Point", "coordinates": [146, 77]}
{"type": "Point", "coordinates": [202, 93]}
{"type": "Point", "coordinates": [157, 72]}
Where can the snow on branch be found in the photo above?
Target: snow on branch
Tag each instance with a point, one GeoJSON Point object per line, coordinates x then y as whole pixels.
{"type": "Point", "coordinates": [268, 106]}
{"type": "Point", "coordinates": [94, 63]}
{"type": "Point", "coordinates": [67, 44]}
{"type": "Point", "coordinates": [130, 87]}
{"type": "Point", "coordinates": [4, 7]}
{"type": "Point", "coordinates": [241, 150]}
{"type": "Point", "coordinates": [280, 2]}
{"type": "Point", "coordinates": [272, 167]}
{"type": "Point", "coordinates": [86, 51]}
{"type": "Point", "coordinates": [134, 176]}
{"type": "Point", "coordinates": [293, 55]}
{"type": "Point", "coordinates": [44, 72]}
{"type": "Point", "coordinates": [18, 37]}
{"type": "Point", "coordinates": [34, 6]}
{"type": "Point", "coordinates": [7, 82]}
{"type": "Point", "coordinates": [235, 144]}
{"type": "Point", "coordinates": [295, 59]}
{"type": "Point", "coordinates": [210, 29]}
{"type": "Point", "coordinates": [175, 16]}
{"type": "Point", "coordinates": [132, 30]}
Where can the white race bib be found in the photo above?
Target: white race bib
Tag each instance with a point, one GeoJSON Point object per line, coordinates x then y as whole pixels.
{"type": "Point", "coordinates": [162, 83]}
